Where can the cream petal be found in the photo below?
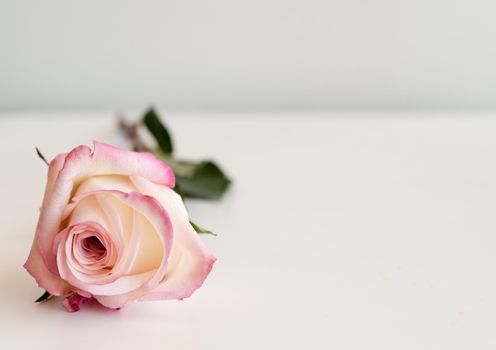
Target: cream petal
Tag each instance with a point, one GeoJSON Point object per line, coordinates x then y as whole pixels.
{"type": "Point", "coordinates": [190, 261]}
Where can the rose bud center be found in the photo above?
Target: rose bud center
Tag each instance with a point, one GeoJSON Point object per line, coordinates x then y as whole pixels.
{"type": "Point", "coordinates": [92, 248]}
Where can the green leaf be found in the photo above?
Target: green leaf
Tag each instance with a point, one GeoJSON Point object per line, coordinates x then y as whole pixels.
{"type": "Point", "coordinates": [205, 181]}
{"type": "Point", "coordinates": [46, 296]}
{"type": "Point", "coordinates": [201, 230]}
{"type": "Point", "coordinates": [38, 152]}
{"type": "Point", "coordinates": [158, 130]}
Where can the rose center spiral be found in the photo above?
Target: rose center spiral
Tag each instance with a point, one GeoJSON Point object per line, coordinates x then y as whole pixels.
{"type": "Point", "coordinates": [92, 248]}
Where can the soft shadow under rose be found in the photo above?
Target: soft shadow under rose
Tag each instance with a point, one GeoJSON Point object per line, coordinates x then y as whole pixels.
{"type": "Point", "coordinates": [112, 228]}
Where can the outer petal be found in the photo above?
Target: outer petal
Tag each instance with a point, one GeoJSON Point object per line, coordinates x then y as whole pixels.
{"type": "Point", "coordinates": [190, 261]}
{"type": "Point", "coordinates": [80, 164]}
{"type": "Point", "coordinates": [35, 264]}
{"type": "Point", "coordinates": [112, 160]}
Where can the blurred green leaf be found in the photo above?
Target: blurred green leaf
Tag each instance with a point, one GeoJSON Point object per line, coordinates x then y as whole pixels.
{"type": "Point", "coordinates": [206, 181]}
{"type": "Point", "coordinates": [158, 130]}
{"type": "Point", "coordinates": [201, 230]}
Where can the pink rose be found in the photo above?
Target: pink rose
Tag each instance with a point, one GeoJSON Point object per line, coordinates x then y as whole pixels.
{"type": "Point", "coordinates": [112, 228]}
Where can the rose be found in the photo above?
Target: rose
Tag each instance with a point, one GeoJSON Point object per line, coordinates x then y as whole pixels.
{"type": "Point", "coordinates": [112, 228]}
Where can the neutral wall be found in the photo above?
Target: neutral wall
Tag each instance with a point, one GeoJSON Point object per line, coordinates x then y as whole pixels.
{"type": "Point", "coordinates": [114, 54]}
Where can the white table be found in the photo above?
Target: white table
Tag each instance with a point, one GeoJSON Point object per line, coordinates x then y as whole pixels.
{"type": "Point", "coordinates": [342, 231]}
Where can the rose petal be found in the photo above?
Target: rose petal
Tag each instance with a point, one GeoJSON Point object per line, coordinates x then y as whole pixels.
{"type": "Point", "coordinates": [190, 261]}
{"type": "Point", "coordinates": [35, 263]}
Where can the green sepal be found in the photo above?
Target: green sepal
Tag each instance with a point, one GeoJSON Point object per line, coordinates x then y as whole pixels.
{"type": "Point", "coordinates": [201, 230]}
{"type": "Point", "coordinates": [44, 297]}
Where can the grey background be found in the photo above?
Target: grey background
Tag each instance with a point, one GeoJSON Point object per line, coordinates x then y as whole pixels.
{"type": "Point", "coordinates": [272, 54]}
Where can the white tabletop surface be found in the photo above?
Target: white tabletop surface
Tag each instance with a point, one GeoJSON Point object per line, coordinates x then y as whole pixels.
{"type": "Point", "coordinates": [342, 231]}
